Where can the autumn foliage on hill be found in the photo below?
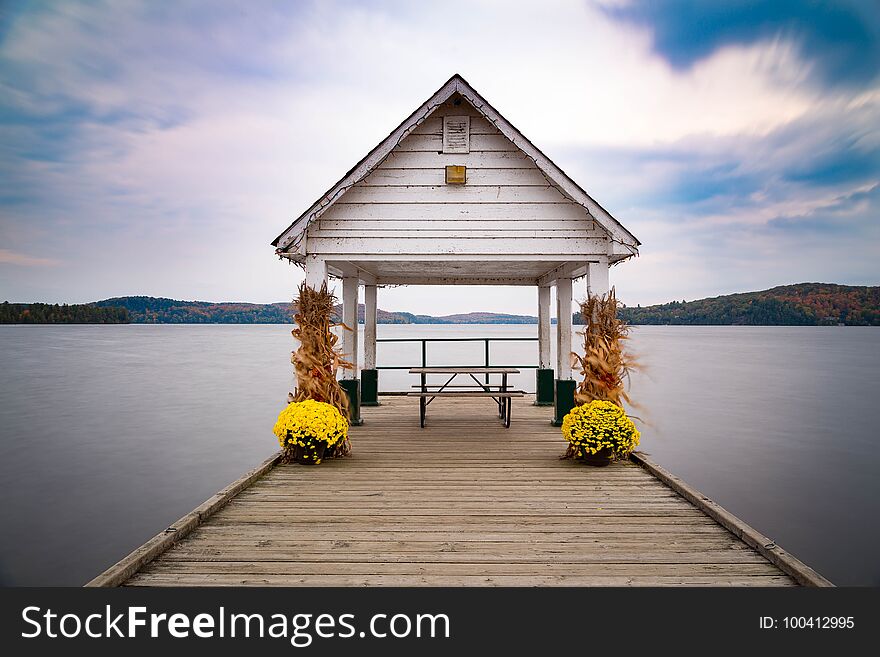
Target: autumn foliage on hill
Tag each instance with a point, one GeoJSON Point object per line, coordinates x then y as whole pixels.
{"type": "Point", "coordinates": [805, 304]}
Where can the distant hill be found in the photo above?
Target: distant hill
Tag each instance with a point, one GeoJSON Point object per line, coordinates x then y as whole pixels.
{"type": "Point", "coordinates": [158, 310]}
{"type": "Point", "coordinates": [466, 318]}
{"type": "Point", "coordinates": [804, 304]}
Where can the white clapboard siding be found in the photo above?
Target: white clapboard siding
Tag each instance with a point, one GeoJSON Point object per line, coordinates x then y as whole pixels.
{"type": "Point", "coordinates": [471, 233]}
{"type": "Point", "coordinates": [453, 194]}
{"type": "Point", "coordinates": [367, 210]}
{"type": "Point", "coordinates": [385, 176]}
{"type": "Point", "coordinates": [514, 203]}
{"type": "Point", "coordinates": [544, 246]}
{"type": "Point", "coordinates": [459, 224]}
{"type": "Point", "coordinates": [434, 126]}
{"type": "Point", "coordinates": [508, 206]}
{"type": "Point", "coordinates": [481, 160]}
{"type": "Point", "coordinates": [478, 143]}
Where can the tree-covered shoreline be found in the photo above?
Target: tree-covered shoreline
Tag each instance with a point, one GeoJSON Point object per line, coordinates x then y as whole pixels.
{"type": "Point", "coordinates": [47, 313]}
{"type": "Point", "coordinates": [805, 304]}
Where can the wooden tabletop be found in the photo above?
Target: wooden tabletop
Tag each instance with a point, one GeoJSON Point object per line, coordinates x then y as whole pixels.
{"type": "Point", "coordinates": [464, 370]}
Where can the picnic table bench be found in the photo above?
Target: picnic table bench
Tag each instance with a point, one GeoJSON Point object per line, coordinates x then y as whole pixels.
{"type": "Point", "coordinates": [500, 393]}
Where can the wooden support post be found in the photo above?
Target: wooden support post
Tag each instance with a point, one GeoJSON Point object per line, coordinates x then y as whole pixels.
{"type": "Point", "coordinates": [350, 382]}
{"type": "Point", "coordinates": [369, 375]}
{"type": "Point", "coordinates": [369, 327]}
{"type": "Point", "coordinates": [316, 272]}
{"type": "Point", "coordinates": [597, 282]}
{"type": "Point", "coordinates": [544, 327]}
{"type": "Point", "coordinates": [544, 373]}
{"type": "Point", "coordinates": [563, 329]}
{"type": "Point", "coordinates": [597, 278]}
{"type": "Point", "coordinates": [564, 389]}
{"type": "Point", "coordinates": [349, 318]}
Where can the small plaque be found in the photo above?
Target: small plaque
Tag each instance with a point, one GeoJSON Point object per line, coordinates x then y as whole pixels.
{"type": "Point", "coordinates": [456, 134]}
{"type": "Point", "coordinates": [456, 174]}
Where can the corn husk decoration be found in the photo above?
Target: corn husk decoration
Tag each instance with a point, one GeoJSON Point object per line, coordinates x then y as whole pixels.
{"type": "Point", "coordinates": [605, 365]}
{"type": "Point", "coordinates": [317, 359]}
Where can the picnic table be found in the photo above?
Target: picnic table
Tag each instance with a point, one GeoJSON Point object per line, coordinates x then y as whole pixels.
{"type": "Point", "coordinates": [500, 393]}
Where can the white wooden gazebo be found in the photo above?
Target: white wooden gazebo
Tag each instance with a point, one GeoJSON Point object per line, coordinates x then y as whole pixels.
{"type": "Point", "coordinates": [456, 195]}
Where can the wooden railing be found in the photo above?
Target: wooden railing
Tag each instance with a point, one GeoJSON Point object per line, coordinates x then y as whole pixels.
{"type": "Point", "coordinates": [487, 352]}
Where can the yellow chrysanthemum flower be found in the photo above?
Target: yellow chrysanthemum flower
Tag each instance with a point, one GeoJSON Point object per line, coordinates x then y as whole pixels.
{"type": "Point", "coordinates": [600, 424]}
{"type": "Point", "coordinates": [310, 422]}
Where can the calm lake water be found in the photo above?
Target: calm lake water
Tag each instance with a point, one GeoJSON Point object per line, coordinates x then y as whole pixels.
{"type": "Point", "coordinates": [110, 433]}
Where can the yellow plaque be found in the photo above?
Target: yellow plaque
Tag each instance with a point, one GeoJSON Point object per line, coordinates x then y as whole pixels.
{"type": "Point", "coordinates": [456, 175]}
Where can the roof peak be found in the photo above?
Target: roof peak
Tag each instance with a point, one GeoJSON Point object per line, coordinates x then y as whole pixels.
{"type": "Point", "coordinates": [456, 84]}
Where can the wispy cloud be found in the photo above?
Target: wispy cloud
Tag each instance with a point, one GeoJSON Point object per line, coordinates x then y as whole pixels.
{"type": "Point", "coordinates": [157, 148]}
{"type": "Point", "coordinates": [839, 42]}
{"type": "Point", "coordinates": [8, 257]}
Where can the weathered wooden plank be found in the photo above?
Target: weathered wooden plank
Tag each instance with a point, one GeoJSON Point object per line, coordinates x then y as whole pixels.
{"type": "Point", "coordinates": [457, 475]}
{"type": "Point", "coordinates": [361, 487]}
{"type": "Point", "coordinates": [494, 210]}
{"type": "Point", "coordinates": [575, 474]}
{"type": "Point", "coordinates": [479, 143]}
{"type": "Point", "coordinates": [465, 502]}
{"type": "Point", "coordinates": [447, 233]}
{"type": "Point", "coordinates": [512, 497]}
{"type": "Point", "coordinates": [460, 223]}
{"type": "Point", "coordinates": [481, 507]}
{"type": "Point", "coordinates": [343, 522]}
{"type": "Point", "coordinates": [579, 503]}
{"type": "Point", "coordinates": [453, 569]}
{"type": "Point", "coordinates": [619, 525]}
{"type": "Point", "coordinates": [546, 246]}
{"type": "Point", "coordinates": [279, 513]}
{"type": "Point", "coordinates": [450, 495]}
{"type": "Point", "coordinates": [386, 176]}
{"type": "Point", "coordinates": [551, 466]}
{"type": "Point", "coordinates": [511, 194]}
{"type": "Point", "coordinates": [476, 160]}
{"type": "Point", "coordinates": [610, 544]}
{"type": "Point", "coordinates": [459, 471]}
{"type": "Point", "coordinates": [329, 538]}
{"type": "Point", "coordinates": [332, 579]}
{"type": "Point", "coordinates": [436, 502]}
{"type": "Point", "coordinates": [402, 475]}
{"type": "Point", "coordinates": [471, 556]}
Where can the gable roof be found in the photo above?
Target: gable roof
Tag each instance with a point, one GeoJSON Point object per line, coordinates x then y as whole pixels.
{"type": "Point", "coordinates": [290, 239]}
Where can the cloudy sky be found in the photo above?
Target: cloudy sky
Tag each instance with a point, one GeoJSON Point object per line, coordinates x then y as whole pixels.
{"type": "Point", "coordinates": [157, 148]}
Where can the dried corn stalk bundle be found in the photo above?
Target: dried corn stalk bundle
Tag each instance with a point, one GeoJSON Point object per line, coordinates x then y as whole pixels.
{"type": "Point", "coordinates": [605, 365]}
{"type": "Point", "coordinates": [317, 359]}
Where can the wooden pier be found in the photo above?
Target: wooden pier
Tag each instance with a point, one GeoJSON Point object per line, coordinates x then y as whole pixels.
{"type": "Point", "coordinates": [463, 502]}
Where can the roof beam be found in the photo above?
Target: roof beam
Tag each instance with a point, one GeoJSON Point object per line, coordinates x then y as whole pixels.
{"type": "Point", "coordinates": [565, 270]}
{"type": "Point", "coordinates": [346, 268]}
{"type": "Point", "coordinates": [455, 280]}
{"type": "Point", "coordinates": [552, 248]}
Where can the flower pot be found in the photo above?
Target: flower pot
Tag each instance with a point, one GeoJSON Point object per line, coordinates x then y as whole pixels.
{"type": "Point", "coordinates": [599, 459]}
{"type": "Point", "coordinates": [308, 455]}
